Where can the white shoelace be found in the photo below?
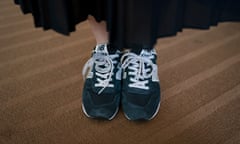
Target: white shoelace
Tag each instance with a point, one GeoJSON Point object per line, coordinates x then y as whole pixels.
{"type": "Point", "coordinates": [141, 69]}
{"type": "Point", "coordinates": [104, 66]}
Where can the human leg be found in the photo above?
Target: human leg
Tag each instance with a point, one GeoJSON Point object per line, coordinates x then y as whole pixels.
{"type": "Point", "coordinates": [99, 30]}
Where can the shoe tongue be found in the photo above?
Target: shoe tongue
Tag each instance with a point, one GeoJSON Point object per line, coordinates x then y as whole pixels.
{"type": "Point", "coordinates": [101, 48]}
{"type": "Point", "coordinates": [146, 53]}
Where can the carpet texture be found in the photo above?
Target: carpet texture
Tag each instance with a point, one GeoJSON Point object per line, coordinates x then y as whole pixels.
{"type": "Point", "coordinates": [41, 86]}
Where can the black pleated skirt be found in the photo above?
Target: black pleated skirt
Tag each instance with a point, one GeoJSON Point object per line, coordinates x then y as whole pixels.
{"type": "Point", "coordinates": [132, 23]}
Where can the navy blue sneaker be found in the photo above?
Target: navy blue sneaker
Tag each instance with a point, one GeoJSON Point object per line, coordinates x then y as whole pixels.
{"type": "Point", "coordinates": [140, 85]}
{"type": "Point", "coordinates": [102, 87]}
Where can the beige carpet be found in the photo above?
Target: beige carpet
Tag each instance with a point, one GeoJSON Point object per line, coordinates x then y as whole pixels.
{"type": "Point", "coordinates": [41, 85]}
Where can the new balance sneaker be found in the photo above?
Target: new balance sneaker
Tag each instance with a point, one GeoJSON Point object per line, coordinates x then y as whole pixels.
{"type": "Point", "coordinates": [141, 85]}
{"type": "Point", "coordinates": [102, 87]}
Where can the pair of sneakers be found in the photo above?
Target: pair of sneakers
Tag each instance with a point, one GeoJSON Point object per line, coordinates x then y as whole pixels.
{"type": "Point", "coordinates": [127, 79]}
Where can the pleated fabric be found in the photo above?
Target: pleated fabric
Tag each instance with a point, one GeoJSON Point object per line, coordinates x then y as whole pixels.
{"type": "Point", "coordinates": [132, 23]}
